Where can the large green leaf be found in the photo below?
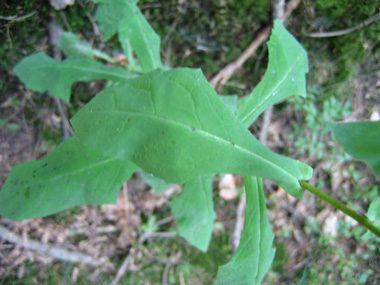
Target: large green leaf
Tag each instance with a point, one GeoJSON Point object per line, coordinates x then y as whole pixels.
{"type": "Point", "coordinates": [194, 211]}
{"type": "Point", "coordinates": [172, 124]}
{"type": "Point", "coordinates": [254, 254]}
{"type": "Point", "coordinates": [41, 73]}
{"type": "Point", "coordinates": [361, 140]}
{"type": "Point", "coordinates": [285, 75]}
{"type": "Point", "coordinates": [125, 18]}
{"type": "Point", "coordinates": [72, 46]}
{"type": "Point", "coordinates": [71, 175]}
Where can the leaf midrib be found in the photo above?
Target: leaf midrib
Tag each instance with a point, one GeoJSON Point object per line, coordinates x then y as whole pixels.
{"type": "Point", "coordinates": [62, 65]}
{"type": "Point", "coordinates": [164, 119]}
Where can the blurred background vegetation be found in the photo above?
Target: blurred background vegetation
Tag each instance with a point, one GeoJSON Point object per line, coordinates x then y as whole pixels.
{"type": "Point", "coordinates": [315, 244]}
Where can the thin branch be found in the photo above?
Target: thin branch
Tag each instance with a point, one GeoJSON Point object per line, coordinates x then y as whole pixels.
{"type": "Point", "coordinates": [148, 235]}
{"type": "Point", "coordinates": [346, 31]}
{"type": "Point", "coordinates": [58, 253]}
{"type": "Point", "coordinates": [67, 131]}
{"type": "Point", "coordinates": [123, 268]}
{"type": "Point", "coordinates": [239, 226]}
{"type": "Point", "coordinates": [15, 19]}
{"type": "Point", "coordinates": [336, 204]}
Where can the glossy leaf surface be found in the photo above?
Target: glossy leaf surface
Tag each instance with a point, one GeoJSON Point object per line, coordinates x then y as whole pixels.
{"type": "Point", "coordinates": [71, 175]}
{"type": "Point", "coordinates": [172, 124]}
{"type": "Point", "coordinates": [284, 77]}
{"type": "Point", "coordinates": [194, 211]}
{"type": "Point", "coordinates": [361, 140]}
{"type": "Point", "coordinates": [125, 18]}
{"type": "Point", "coordinates": [255, 254]}
{"type": "Point", "coordinates": [72, 46]}
{"type": "Point", "coordinates": [42, 73]}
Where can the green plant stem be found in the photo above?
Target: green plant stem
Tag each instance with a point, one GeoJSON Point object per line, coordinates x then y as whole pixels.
{"type": "Point", "coordinates": [359, 218]}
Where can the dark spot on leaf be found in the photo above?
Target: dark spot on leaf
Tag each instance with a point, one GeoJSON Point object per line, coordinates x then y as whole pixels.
{"type": "Point", "coordinates": [233, 144]}
{"type": "Point", "coordinates": [43, 166]}
{"type": "Point", "coordinates": [55, 168]}
{"type": "Point", "coordinates": [27, 192]}
{"type": "Point", "coordinates": [173, 142]}
{"type": "Point", "coordinates": [129, 119]}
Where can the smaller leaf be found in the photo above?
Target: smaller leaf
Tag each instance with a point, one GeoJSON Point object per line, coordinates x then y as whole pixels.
{"type": "Point", "coordinates": [71, 175]}
{"type": "Point", "coordinates": [194, 211]}
{"type": "Point", "coordinates": [125, 18]}
{"type": "Point", "coordinates": [254, 254]}
{"type": "Point", "coordinates": [42, 73]}
{"type": "Point", "coordinates": [374, 211]}
{"type": "Point", "coordinates": [72, 46]}
{"type": "Point", "coordinates": [285, 75]}
{"type": "Point", "coordinates": [361, 140]}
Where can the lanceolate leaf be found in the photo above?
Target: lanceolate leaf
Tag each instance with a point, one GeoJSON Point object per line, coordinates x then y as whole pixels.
{"type": "Point", "coordinates": [41, 73]}
{"type": "Point", "coordinates": [254, 254]}
{"type": "Point", "coordinates": [124, 17]}
{"type": "Point", "coordinates": [71, 175]}
{"type": "Point", "coordinates": [72, 46]}
{"type": "Point", "coordinates": [361, 140]}
{"type": "Point", "coordinates": [194, 211]}
{"type": "Point", "coordinates": [172, 124]}
{"type": "Point", "coordinates": [285, 75]}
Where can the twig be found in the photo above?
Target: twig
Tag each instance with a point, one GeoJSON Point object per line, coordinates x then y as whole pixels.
{"type": "Point", "coordinates": [67, 131]}
{"type": "Point", "coordinates": [222, 77]}
{"type": "Point", "coordinates": [15, 19]}
{"type": "Point", "coordinates": [63, 16]}
{"type": "Point", "coordinates": [346, 31]}
{"type": "Point", "coordinates": [54, 33]}
{"type": "Point", "coordinates": [58, 253]}
{"type": "Point", "coordinates": [166, 273]}
{"type": "Point", "coordinates": [123, 268]}
{"type": "Point", "coordinates": [92, 20]}
{"type": "Point", "coordinates": [164, 221]}
{"type": "Point", "coordinates": [239, 226]}
{"type": "Point", "coordinates": [147, 235]}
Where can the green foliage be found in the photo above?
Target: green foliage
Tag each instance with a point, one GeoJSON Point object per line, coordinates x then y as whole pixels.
{"type": "Point", "coordinates": [42, 73]}
{"type": "Point", "coordinates": [194, 211]}
{"type": "Point", "coordinates": [169, 123]}
{"type": "Point", "coordinates": [285, 75]}
{"type": "Point", "coordinates": [254, 255]}
{"type": "Point", "coordinates": [71, 175]}
{"type": "Point", "coordinates": [361, 140]}
{"type": "Point", "coordinates": [312, 139]}
{"type": "Point", "coordinates": [374, 211]}
{"type": "Point", "coordinates": [175, 116]}
{"type": "Point", "coordinates": [125, 18]}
